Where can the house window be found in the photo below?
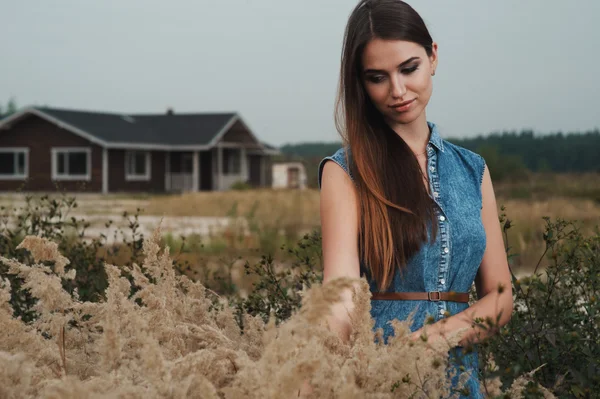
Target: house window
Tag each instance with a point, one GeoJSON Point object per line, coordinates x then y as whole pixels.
{"type": "Point", "coordinates": [71, 163]}
{"type": "Point", "coordinates": [137, 165]}
{"type": "Point", "coordinates": [14, 163]}
{"type": "Point", "coordinates": [232, 161]}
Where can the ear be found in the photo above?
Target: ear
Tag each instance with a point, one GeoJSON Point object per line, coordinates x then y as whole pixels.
{"type": "Point", "coordinates": [433, 58]}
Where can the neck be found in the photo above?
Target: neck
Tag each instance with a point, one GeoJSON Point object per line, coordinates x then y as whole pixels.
{"type": "Point", "coordinates": [415, 134]}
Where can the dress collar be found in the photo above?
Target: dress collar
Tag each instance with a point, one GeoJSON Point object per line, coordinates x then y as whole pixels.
{"type": "Point", "coordinates": [434, 137]}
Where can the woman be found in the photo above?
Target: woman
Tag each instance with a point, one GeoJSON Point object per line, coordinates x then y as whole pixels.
{"type": "Point", "coordinates": [412, 212]}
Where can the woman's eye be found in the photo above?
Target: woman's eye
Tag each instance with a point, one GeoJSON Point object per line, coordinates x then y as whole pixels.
{"type": "Point", "coordinates": [376, 78]}
{"type": "Point", "coordinates": [408, 71]}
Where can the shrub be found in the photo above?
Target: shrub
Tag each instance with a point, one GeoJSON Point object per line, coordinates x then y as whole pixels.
{"type": "Point", "coordinates": [241, 185]}
{"type": "Point", "coordinates": [51, 218]}
{"type": "Point", "coordinates": [556, 320]}
{"type": "Point", "coordinates": [278, 293]}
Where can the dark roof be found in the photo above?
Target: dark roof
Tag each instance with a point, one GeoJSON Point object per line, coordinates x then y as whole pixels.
{"type": "Point", "coordinates": [160, 129]}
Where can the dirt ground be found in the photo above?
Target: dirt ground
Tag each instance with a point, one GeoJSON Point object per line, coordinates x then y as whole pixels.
{"type": "Point", "coordinates": [99, 209]}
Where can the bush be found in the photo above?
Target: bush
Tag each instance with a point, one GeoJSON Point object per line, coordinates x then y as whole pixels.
{"type": "Point", "coordinates": [556, 321]}
{"type": "Point", "coordinates": [241, 185]}
{"type": "Point", "coordinates": [277, 293]}
{"type": "Point", "coordinates": [50, 218]}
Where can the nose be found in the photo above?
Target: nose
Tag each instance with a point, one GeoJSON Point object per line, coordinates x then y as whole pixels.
{"type": "Point", "coordinates": [398, 89]}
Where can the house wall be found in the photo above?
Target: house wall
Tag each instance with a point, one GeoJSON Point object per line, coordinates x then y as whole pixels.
{"type": "Point", "coordinates": [268, 167]}
{"type": "Point", "coordinates": [40, 136]}
{"type": "Point", "coordinates": [255, 169]}
{"type": "Point", "coordinates": [281, 174]}
{"type": "Point", "coordinates": [259, 168]}
{"type": "Point", "coordinates": [116, 173]}
{"type": "Point", "coordinates": [206, 171]}
{"type": "Point", "coordinates": [180, 171]}
{"type": "Point", "coordinates": [238, 134]}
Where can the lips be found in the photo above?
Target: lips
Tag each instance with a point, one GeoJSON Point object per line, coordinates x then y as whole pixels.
{"type": "Point", "coordinates": [403, 106]}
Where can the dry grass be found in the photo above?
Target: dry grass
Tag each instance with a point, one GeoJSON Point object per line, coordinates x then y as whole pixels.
{"type": "Point", "coordinates": [525, 235]}
{"type": "Point", "coordinates": [539, 186]}
{"type": "Point", "coordinates": [169, 341]}
{"type": "Point", "coordinates": [300, 210]}
{"type": "Point", "coordinates": [281, 207]}
{"type": "Point", "coordinates": [281, 216]}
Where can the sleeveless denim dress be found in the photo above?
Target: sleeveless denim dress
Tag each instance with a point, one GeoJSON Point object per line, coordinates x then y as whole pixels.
{"type": "Point", "coordinates": [450, 263]}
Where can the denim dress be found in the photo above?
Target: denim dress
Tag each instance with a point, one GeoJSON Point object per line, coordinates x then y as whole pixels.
{"type": "Point", "coordinates": [449, 263]}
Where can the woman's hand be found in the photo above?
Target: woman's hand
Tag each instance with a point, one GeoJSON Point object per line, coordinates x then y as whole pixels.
{"type": "Point", "coordinates": [432, 331]}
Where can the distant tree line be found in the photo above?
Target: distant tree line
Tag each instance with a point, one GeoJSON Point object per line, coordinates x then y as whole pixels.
{"type": "Point", "coordinates": [509, 155]}
{"type": "Point", "coordinates": [557, 152]}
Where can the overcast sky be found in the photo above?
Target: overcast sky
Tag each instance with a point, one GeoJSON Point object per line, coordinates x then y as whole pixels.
{"type": "Point", "coordinates": [507, 64]}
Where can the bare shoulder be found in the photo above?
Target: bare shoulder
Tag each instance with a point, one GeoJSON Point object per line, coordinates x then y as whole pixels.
{"type": "Point", "coordinates": [487, 188]}
{"type": "Point", "coordinates": [338, 194]}
{"type": "Point", "coordinates": [335, 176]}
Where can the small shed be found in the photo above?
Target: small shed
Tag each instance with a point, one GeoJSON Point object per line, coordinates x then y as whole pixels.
{"type": "Point", "coordinates": [289, 175]}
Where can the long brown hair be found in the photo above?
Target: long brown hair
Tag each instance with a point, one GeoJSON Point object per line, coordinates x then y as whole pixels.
{"type": "Point", "coordinates": [394, 206]}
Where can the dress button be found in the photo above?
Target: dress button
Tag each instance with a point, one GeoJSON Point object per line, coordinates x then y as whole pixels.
{"type": "Point", "coordinates": [436, 194]}
{"type": "Point", "coordinates": [432, 168]}
{"type": "Point", "coordinates": [446, 250]}
{"type": "Point", "coordinates": [442, 218]}
{"type": "Point", "coordinates": [442, 281]}
{"type": "Point", "coordinates": [442, 312]}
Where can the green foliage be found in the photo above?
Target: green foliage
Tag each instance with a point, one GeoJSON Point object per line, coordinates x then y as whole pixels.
{"type": "Point", "coordinates": [277, 291]}
{"type": "Point", "coordinates": [241, 185]}
{"type": "Point", "coordinates": [557, 152]}
{"type": "Point", "coordinates": [503, 167]}
{"type": "Point", "coordinates": [50, 218]}
{"type": "Point", "coordinates": [556, 318]}
{"type": "Point", "coordinates": [509, 154]}
{"type": "Point", "coordinates": [310, 150]}
{"type": "Point", "coordinates": [11, 108]}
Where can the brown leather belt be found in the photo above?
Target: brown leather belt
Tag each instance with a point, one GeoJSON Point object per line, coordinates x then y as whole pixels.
{"type": "Point", "coordinates": [424, 296]}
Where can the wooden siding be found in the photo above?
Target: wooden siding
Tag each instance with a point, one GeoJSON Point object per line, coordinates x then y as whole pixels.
{"type": "Point", "coordinates": [206, 171]}
{"type": "Point", "coordinates": [239, 134]}
{"type": "Point", "coordinates": [40, 136]}
{"type": "Point", "coordinates": [116, 173]}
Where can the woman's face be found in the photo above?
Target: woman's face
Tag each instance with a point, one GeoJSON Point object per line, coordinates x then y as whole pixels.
{"type": "Point", "coordinates": [397, 78]}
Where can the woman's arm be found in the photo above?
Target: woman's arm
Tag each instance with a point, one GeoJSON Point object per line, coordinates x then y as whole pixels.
{"type": "Point", "coordinates": [339, 229]}
{"type": "Point", "coordinates": [492, 272]}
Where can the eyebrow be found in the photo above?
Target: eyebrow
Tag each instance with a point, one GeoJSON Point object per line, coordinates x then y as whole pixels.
{"type": "Point", "coordinates": [399, 66]}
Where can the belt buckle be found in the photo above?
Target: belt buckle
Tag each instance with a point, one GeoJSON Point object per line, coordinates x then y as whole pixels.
{"type": "Point", "coordinates": [439, 296]}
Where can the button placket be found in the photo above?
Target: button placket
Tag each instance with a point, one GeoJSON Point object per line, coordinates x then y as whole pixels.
{"type": "Point", "coordinates": [434, 184]}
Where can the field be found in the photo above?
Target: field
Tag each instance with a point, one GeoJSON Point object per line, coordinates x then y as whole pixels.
{"type": "Point", "coordinates": [160, 334]}
{"type": "Point", "coordinates": [211, 229]}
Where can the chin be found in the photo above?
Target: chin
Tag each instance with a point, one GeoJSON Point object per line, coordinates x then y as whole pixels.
{"type": "Point", "coordinates": [404, 118]}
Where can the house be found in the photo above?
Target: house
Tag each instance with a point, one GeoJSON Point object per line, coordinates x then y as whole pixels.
{"type": "Point", "coordinates": [288, 175]}
{"type": "Point", "coordinates": [41, 148]}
